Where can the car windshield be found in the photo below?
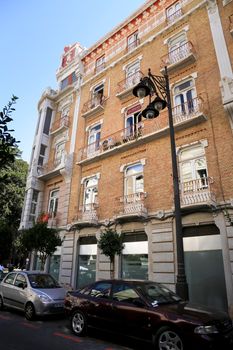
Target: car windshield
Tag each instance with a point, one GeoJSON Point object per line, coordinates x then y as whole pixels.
{"type": "Point", "coordinates": [42, 281]}
{"type": "Point", "coordinates": [157, 294]}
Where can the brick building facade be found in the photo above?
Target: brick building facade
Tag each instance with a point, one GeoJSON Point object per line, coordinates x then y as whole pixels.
{"type": "Point", "coordinates": [97, 162]}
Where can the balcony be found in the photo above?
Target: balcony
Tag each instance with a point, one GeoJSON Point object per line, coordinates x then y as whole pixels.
{"type": "Point", "coordinates": [133, 45]}
{"type": "Point", "coordinates": [184, 115]}
{"type": "Point", "coordinates": [125, 87]}
{"type": "Point", "coordinates": [180, 57]}
{"type": "Point", "coordinates": [50, 170]}
{"type": "Point", "coordinates": [87, 216]}
{"type": "Point", "coordinates": [231, 24]}
{"type": "Point", "coordinates": [197, 193]}
{"type": "Point", "coordinates": [60, 125]}
{"type": "Point", "coordinates": [174, 16]}
{"type": "Point", "coordinates": [94, 105]}
{"type": "Point", "coordinates": [131, 207]}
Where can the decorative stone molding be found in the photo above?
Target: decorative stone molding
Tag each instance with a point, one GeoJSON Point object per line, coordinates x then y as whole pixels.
{"type": "Point", "coordinates": [226, 86]}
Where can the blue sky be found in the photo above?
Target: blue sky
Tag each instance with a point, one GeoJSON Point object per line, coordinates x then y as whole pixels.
{"type": "Point", "coordinates": [33, 35]}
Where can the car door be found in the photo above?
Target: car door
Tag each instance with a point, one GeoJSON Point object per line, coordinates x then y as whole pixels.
{"type": "Point", "coordinates": [130, 312]}
{"type": "Point", "coordinates": [20, 291]}
{"type": "Point", "coordinates": [100, 305]}
{"type": "Point", "coordinates": [7, 288]}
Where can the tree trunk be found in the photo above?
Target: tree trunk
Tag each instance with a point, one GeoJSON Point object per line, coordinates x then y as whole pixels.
{"type": "Point", "coordinates": [112, 268]}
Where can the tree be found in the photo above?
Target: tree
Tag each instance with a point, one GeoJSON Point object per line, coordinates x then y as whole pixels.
{"type": "Point", "coordinates": [39, 238]}
{"type": "Point", "coordinates": [111, 243]}
{"type": "Point", "coordinates": [12, 189]}
{"type": "Point", "coordinates": [8, 144]}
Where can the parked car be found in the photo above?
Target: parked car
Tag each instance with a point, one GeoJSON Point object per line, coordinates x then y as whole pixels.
{"type": "Point", "coordinates": [35, 293]}
{"type": "Point", "coordinates": [149, 311]}
{"type": "Point", "coordinates": [2, 274]}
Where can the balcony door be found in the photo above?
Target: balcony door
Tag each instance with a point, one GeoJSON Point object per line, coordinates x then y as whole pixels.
{"type": "Point", "coordinates": [184, 98]}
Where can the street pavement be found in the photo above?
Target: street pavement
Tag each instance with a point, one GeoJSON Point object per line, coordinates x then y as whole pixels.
{"type": "Point", "coordinates": [53, 333]}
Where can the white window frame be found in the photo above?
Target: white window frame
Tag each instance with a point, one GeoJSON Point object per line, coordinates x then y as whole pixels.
{"type": "Point", "coordinates": [132, 72]}
{"type": "Point", "coordinates": [99, 64]}
{"type": "Point", "coordinates": [132, 41]}
{"type": "Point", "coordinates": [178, 47]}
{"type": "Point", "coordinates": [137, 183]}
{"type": "Point", "coordinates": [59, 155]}
{"type": "Point", "coordinates": [185, 97]}
{"type": "Point", "coordinates": [53, 202]}
{"type": "Point", "coordinates": [173, 12]}
{"type": "Point", "coordinates": [90, 187]}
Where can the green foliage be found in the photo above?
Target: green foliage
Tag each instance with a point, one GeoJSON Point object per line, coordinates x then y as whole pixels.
{"type": "Point", "coordinates": [111, 243]}
{"type": "Point", "coordinates": [8, 144]}
{"type": "Point", "coordinates": [5, 241]}
{"type": "Point", "coordinates": [39, 238]}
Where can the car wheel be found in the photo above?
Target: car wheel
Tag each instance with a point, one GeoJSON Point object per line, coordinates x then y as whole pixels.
{"type": "Point", "coordinates": [78, 323]}
{"type": "Point", "coordinates": [1, 303]}
{"type": "Point", "coordinates": [167, 338]}
{"type": "Point", "coordinates": [29, 311]}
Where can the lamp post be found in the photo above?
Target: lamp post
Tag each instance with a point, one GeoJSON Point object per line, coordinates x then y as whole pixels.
{"type": "Point", "coordinates": [159, 86]}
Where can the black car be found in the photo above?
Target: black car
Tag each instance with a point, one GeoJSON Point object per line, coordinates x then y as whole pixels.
{"type": "Point", "coordinates": [149, 311]}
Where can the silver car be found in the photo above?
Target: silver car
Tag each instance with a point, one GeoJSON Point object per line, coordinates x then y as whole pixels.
{"type": "Point", "coordinates": [36, 293]}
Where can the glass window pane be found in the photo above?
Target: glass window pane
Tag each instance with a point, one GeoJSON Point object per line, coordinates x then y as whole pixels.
{"type": "Point", "coordinates": [86, 269]}
{"type": "Point", "coordinates": [135, 266]}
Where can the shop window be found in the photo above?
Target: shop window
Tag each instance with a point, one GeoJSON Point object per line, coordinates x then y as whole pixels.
{"type": "Point", "coordinates": [86, 261]}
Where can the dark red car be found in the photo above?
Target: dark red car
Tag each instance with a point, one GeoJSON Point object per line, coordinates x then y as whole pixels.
{"type": "Point", "coordinates": [149, 311]}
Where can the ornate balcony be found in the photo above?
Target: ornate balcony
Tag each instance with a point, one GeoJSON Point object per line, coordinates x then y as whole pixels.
{"type": "Point", "coordinates": [184, 115]}
{"type": "Point", "coordinates": [197, 192]}
{"type": "Point", "coordinates": [87, 216]}
{"type": "Point", "coordinates": [60, 125]}
{"type": "Point", "coordinates": [125, 87]}
{"type": "Point", "coordinates": [131, 207]}
{"type": "Point", "coordinates": [174, 16]}
{"type": "Point", "coordinates": [231, 24]}
{"type": "Point", "coordinates": [133, 45]}
{"type": "Point", "coordinates": [180, 57]}
{"type": "Point", "coordinates": [94, 105]}
{"type": "Point", "coordinates": [49, 170]}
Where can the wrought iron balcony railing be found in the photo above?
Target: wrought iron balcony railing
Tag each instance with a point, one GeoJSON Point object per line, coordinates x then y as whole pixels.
{"type": "Point", "coordinates": [100, 67]}
{"type": "Point", "coordinates": [132, 205]}
{"type": "Point", "coordinates": [87, 215]}
{"type": "Point", "coordinates": [171, 18]}
{"type": "Point", "coordinates": [94, 104]}
{"type": "Point", "coordinates": [60, 124]}
{"type": "Point", "coordinates": [129, 82]}
{"type": "Point", "coordinates": [196, 192]}
{"type": "Point", "coordinates": [178, 55]}
{"type": "Point", "coordinates": [183, 114]}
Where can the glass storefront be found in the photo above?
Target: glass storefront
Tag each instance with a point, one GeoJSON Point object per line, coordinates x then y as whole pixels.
{"type": "Point", "coordinates": [134, 263]}
{"type": "Point", "coordinates": [55, 266]}
{"type": "Point", "coordinates": [86, 261]}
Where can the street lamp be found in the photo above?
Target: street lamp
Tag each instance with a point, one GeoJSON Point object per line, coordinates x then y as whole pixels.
{"type": "Point", "coordinates": [159, 86]}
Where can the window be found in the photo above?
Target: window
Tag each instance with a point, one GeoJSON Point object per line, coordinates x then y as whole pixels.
{"type": "Point", "coordinates": [134, 258]}
{"type": "Point", "coordinates": [90, 193]}
{"type": "Point", "coordinates": [193, 168]}
{"type": "Point", "coordinates": [132, 74]}
{"type": "Point", "coordinates": [94, 139]}
{"type": "Point", "coordinates": [100, 64]}
{"type": "Point", "coordinates": [124, 293]}
{"type": "Point", "coordinates": [41, 155]}
{"type": "Point", "coordinates": [178, 48]}
{"type": "Point", "coordinates": [134, 183]}
{"type": "Point", "coordinates": [133, 124]}
{"type": "Point", "coordinates": [68, 80]}
{"type": "Point", "coordinates": [184, 97]}
{"type": "Point", "coordinates": [132, 41]}
{"type": "Point", "coordinates": [20, 280]}
{"type": "Point", "coordinates": [32, 215]}
{"type": "Point", "coordinates": [86, 272]}
{"type": "Point", "coordinates": [10, 278]}
{"type": "Point", "coordinates": [101, 290]}
{"type": "Point", "coordinates": [173, 12]}
{"type": "Point", "coordinates": [59, 156]}
{"type": "Point", "coordinates": [47, 122]}
{"type": "Point", "coordinates": [38, 123]}
{"type": "Point", "coordinates": [53, 202]}
{"type": "Point", "coordinates": [97, 95]}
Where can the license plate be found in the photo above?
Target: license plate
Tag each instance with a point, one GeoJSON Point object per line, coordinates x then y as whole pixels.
{"type": "Point", "coordinates": [59, 305]}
